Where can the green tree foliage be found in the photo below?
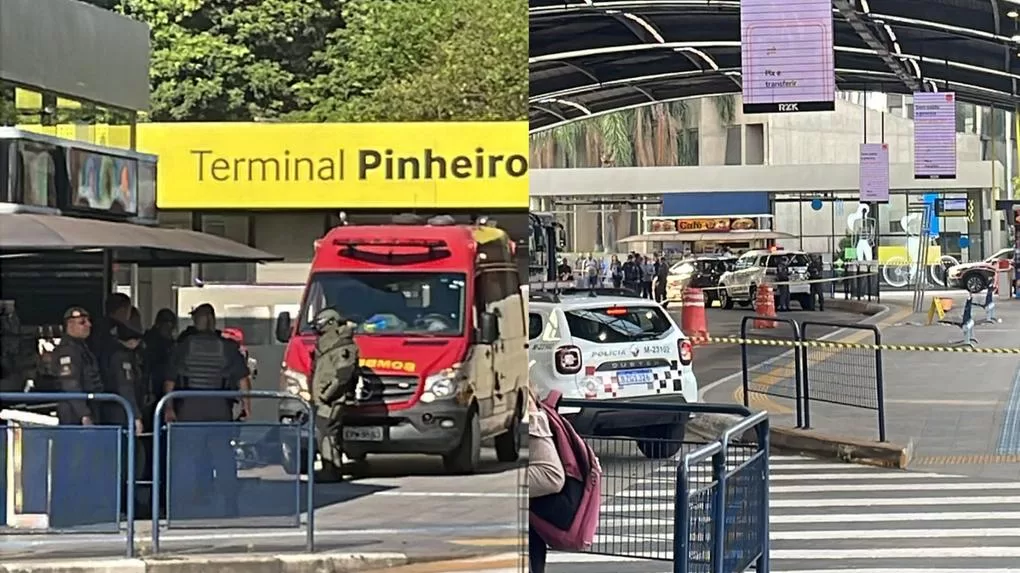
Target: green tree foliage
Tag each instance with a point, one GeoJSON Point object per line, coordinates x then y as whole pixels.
{"type": "Point", "coordinates": [335, 60]}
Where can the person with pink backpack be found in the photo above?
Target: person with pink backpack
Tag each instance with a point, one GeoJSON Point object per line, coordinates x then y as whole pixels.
{"type": "Point", "coordinates": [564, 482]}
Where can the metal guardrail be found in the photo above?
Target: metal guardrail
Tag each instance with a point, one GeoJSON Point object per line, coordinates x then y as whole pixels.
{"type": "Point", "coordinates": [653, 484]}
{"type": "Point", "coordinates": [853, 377]}
{"type": "Point", "coordinates": [128, 472]}
{"type": "Point", "coordinates": [786, 362]}
{"type": "Point", "coordinates": [221, 435]}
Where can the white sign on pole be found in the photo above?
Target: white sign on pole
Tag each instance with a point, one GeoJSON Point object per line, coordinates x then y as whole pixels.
{"type": "Point", "coordinates": [934, 135]}
{"type": "Point", "coordinates": [874, 166]}
{"type": "Point", "coordinates": [786, 55]}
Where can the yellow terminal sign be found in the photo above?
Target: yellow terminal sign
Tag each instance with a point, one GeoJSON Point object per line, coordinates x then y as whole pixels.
{"type": "Point", "coordinates": [339, 166]}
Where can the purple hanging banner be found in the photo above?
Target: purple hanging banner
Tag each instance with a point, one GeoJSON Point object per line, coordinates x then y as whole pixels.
{"type": "Point", "coordinates": [934, 135]}
{"type": "Point", "coordinates": [874, 181]}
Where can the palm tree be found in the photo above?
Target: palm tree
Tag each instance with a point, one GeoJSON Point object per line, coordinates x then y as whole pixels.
{"type": "Point", "coordinates": [663, 134]}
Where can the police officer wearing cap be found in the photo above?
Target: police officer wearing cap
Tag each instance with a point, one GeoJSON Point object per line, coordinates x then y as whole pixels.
{"type": "Point", "coordinates": [203, 360]}
{"type": "Point", "coordinates": [76, 369]}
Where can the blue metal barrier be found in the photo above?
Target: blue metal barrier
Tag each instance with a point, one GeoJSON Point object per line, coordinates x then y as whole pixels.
{"type": "Point", "coordinates": [721, 524]}
{"type": "Point", "coordinates": [650, 509]}
{"type": "Point", "coordinates": [216, 448]}
{"type": "Point", "coordinates": [66, 503]}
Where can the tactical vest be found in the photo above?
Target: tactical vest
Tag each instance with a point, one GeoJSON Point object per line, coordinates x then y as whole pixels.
{"type": "Point", "coordinates": [205, 362]}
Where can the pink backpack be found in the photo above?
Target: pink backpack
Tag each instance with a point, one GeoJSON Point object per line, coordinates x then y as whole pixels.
{"type": "Point", "coordinates": [567, 520]}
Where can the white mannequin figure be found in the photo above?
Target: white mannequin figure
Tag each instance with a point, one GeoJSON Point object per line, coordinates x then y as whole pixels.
{"type": "Point", "coordinates": [911, 224]}
{"type": "Point", "coordinates": [862, 231]}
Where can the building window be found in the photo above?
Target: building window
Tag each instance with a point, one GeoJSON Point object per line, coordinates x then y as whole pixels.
{"type": "Point", "coordinates": [235, 228]}
{"type": "Point", "coordinates": [733, 145]}
{"type": "Point", "coordinates": [754, 154]}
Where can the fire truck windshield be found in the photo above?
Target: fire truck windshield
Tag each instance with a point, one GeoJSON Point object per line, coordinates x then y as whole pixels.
{"type": "Point", "coordinates": [390, 303]}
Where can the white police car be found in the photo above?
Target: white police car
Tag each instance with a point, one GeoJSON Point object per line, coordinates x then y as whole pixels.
{"type": "Point", "coordinates": [604, 345]}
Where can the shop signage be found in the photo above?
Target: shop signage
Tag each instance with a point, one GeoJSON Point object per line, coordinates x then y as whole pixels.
{"type": "Point", "coordinates": [101, 182]}
{"type": "Point", "coordinates": [874, 173]}
{"type": "Point", "coordinates": [787, 55]}
{"type": "Point", "coordinates": [339, 166]}
{"type": "Point", "coordinates": [715, 225]}
{"type": "Point", "coordinates": [955, 207]}
{"type": "Point", "coordinates": [661, 226]}
{"type": "Point", "coordinates": [934, 135]}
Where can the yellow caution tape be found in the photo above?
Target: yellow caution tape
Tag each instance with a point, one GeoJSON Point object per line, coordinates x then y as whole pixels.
{"type": "Point", "coordinates": [851, 345]}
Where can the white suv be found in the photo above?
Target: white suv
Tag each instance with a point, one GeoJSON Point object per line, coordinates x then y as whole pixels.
{"type": "Point", "coordinates": [605, 347]}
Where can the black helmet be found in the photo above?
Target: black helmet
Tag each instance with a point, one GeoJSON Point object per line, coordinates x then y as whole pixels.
{"type": "Point", "coordinates": [327, 318]}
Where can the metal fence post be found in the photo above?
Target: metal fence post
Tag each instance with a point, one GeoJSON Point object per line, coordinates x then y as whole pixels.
{"type": "Point", "coordinates": [805, 389]}
{"type": "Point", "coordinates": [681, 520]}
{"type": "Point", "coordinates": [880, 384]}
{"type": "Point", "coordinates": [762, 565]}
{"type": "Point", "coordinates": [718, 560]}
{"type": "Point", "coordinates": [744, 370]}
{"type": "Point", "coordinates": [803, 411]}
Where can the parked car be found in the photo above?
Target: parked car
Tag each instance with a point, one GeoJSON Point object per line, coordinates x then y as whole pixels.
{"type": "Point", "coordinates": [975, 277]}
{"type": "Point", "coordinates": [702, 271]}
{"type": "Point", "coordinates": [758, 267]}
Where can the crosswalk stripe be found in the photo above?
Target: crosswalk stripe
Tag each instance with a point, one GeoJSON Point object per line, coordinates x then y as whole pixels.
{"type": "Point", "coordinates": [960, 486]}
{"type": "Point", "coordinates": [831, 488]}
{"type": "Point", "coordinates": [892, 517]}
{"type": "Point", "coordinates": [773, 468]}
{"type": "Point", "coordinates": [836, 534]}
{"type": "Point", "coordinates": [830, 477]}
{"type": "Point", "coordinates": [897, 553]}
{"type": "Point", "coordinates": [877, 502]}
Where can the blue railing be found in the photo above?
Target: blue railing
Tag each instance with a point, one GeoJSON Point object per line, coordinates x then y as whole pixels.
{"type": "Point", "coordinates": [60, 434]}
{"type": "Point", "coordinates": [713, 493]}
{"type": "Point", "coordinates": [214, 435]}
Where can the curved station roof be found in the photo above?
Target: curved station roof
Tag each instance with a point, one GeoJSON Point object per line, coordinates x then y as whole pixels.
{"type": "Point", "coordinates": [590, 57]}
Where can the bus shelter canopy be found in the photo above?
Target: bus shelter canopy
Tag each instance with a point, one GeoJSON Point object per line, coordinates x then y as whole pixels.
{"type": "Point", "coordinates": [26, 234]}
{"type": "Point", "coordinates": [591, 57]}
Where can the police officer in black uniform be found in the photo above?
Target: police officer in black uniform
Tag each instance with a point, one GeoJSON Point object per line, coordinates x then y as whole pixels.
{"type": "Point", "coordinates": [205, 361]}
{"type": "Point", "coordinates": [77, 369]}
{"type": "Point", "coordinates": [122, 375]}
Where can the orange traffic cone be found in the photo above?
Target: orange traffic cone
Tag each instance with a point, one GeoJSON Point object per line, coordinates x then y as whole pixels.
{"type": "Point", "coordinates": [765, 306]}
{"type": "Point", "coordinates": [692, 319]}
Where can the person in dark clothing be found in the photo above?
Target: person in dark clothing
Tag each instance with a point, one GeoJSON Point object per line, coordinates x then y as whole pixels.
{"type": "Point", "coordinates": [647, 274]}
{"type": "Point", "coordinates": [203, 360]}
{"type": "Point", "coordinates": [122, 375]}
{"type": "Point", "coordinates": [82, 456]}
{"type": "Point", "coordinates": [661, 274]}
{"type": "Point", "coordinates": [77, 369]}
{"type": "Point", "coordinates": [157, 347]}
{"type": "Point", "coordinates": [564, 271]}
{"type": "Point", "coordinates": [102, 339]}
{"type": "Point", "coordinates": [817, 288]}
{"type": "Point", "coordinates": [783, 278]}
{"type": "Point", "coordinates": [632, 274]}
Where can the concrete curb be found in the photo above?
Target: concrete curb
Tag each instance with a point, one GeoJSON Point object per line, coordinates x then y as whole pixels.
{"type": "Point", "coordinates": [710, 427]}
{"type": "Point", "coordinates": [328, 562]}
{"type": "Point", "coordinates": [857, 306]}
{"type": "Point", "coordinates": [841, 448]}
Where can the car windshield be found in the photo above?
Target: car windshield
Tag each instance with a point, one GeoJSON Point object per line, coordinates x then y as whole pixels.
{"type": "Point", "coordinates": [618, 324]}
{"type": "Point", "coordinates": [1003, 255]}
{"type": "Point", "coordinates": [746, 261]}
{"type": "Point", "coordinates": [390, 304]}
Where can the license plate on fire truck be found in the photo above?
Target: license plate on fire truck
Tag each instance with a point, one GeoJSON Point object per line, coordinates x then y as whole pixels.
{"type": "Point", "coordinates": [363, 434]}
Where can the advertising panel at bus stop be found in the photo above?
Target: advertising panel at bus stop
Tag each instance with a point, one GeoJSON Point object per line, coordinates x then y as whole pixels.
{"type": "Point", "coordinates": [449, 165]}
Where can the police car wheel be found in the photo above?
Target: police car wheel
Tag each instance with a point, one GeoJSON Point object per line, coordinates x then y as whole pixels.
{"type": "Point", "coordinates": [465, 458]}
{"type": "Point", "coordinates": [663, 441]}
{"type": "Point", "coordinates": [975, 283]}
